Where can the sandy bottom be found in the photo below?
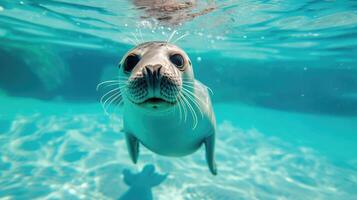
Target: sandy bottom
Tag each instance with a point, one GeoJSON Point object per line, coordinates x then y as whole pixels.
{"type": "Point", "coordinates": [83, 156]}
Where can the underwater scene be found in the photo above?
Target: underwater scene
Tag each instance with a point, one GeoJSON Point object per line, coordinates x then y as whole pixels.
{"type": "Point", "coordinates": [257, 99]}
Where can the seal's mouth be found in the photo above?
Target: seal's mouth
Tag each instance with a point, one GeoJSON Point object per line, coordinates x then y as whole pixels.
{"type": "Point", "coordinates": [156, 103]}
{"type": "Point", "coordinates": [155, 100]}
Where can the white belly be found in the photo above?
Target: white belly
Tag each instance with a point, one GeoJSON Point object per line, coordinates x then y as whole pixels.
{"type": "Point", "coordinates": [167, 133]}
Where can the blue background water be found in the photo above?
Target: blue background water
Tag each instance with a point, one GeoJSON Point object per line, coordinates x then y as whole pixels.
{"type": "Point", "coordinates": [284, 76]}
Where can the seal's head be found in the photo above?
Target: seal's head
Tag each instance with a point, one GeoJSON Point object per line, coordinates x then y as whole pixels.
{"type": "Point", "coordinates": [154, 74]}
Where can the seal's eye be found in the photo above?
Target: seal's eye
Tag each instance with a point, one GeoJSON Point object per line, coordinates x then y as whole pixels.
{"type": "Point", "coordinates": [177, 60]}
{"type": "Point", "coordinates": [130, 62]}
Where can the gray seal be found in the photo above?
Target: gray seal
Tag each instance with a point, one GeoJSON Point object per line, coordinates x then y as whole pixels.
{"type": "Point", "coordinates": [164, 107]}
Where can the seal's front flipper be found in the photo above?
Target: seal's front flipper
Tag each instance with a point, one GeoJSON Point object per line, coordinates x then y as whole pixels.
{"type": "Point", "coordinates": [209, 144]}
{"type": "Point", "coordinates": [132, 144]}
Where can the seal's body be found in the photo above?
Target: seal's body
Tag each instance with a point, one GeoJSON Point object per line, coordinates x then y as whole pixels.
{"type": "Point", "coordinates": [163, 133]}
{"type": "Point", "coordinates": [165, 108]}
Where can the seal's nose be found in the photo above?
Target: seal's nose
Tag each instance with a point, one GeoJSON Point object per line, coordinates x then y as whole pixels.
{"type": "Point", "coordinates": [152, 71]}
{"type": "Point", "coordinates": [153, 75]}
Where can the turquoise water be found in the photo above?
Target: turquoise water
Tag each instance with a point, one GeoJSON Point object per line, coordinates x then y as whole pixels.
{"type": "Point", "coordinates": [284, 81]}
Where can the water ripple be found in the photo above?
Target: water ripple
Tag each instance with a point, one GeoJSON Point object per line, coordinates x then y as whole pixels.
{"type": "Point", "coordinates": [227, 28]}
{"type": "Point", "coordinates": [82, 157]}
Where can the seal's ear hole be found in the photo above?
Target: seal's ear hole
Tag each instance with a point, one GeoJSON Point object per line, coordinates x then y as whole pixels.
{"type": "Point", "coordinates": [130, 62]}
{"type": "Point", "coordinates": [177, 60]}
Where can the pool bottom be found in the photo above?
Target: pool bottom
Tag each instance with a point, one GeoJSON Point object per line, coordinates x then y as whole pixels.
{"type": "Point", "coordinates": [83, 156]}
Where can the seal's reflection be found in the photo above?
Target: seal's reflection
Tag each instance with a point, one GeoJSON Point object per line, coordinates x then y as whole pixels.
{"type": "Point", "coordinates": [140, 184]}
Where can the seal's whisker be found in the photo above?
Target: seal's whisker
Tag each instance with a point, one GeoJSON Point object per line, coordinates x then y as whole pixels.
{"type": "Point", "coordinates": [192, 83]}
{"type": "Point", "coordinates": [123, 82]}
{"type": "Point", "coordinates": [192, 98]}
{"type": "Point", "coordinates": [106, 94]}
{"type": "Point", "coordinates": [115, 86]}
{"type": "Point", "coordinates": [141, 35]}
{"type": "Point", "coordinates": [188, 80]}
{"type": "Point", "coordinates": [122, 85]}
{"type": "Point", "coordinates": [171, 36]}
{"type": "Point", "coordinates": [210, 90]}
{"type": "Point", "coordinates": [122, 78]}
{"type": "Point", "coordinates": [105, 82]}
{"type": "Point", "coordinates": [119, 103]}
{"type": "Point", "coordinates": [136, 38]}
{"type": "Point", "coordinates": [132, 41]}
{"type": "Point", "coordinates": [181, 37]}
{"type": "Point", "coordinates": [193, 94]}
{"type": "Point", "coordinates": [195, 122]}
{"type": "Point", "coordinates": [179, 108]}
{"type": "Point", "coordinates": [104, 85]}
{"type": "Point", "coordinates": [188, 98]}
{"type": "Point", "coordinates": [116, 81]}
{"type": "Point", "coordinates": [188, 85]}
{"type": "Point", "coordinates": [120, 91]}
{"type": "Point", "coordinates": [111, 81]}
{"type": "Point", "coordinates": [105, 105]}
{"type": "Point", "coordinates": [110, 85]}
{"type": "Point", "coordinates": [111, 92]}
{"type": "Point", "coordinates": [191, 86]}
{"type": "Point", "coordinates": [118, 97]}
{"type": "Point", "coordinates": [193, 112]}
{"type": "Point", "coordinates": [178, 103]}
{"type": "Point", "coordinates": [183, 107]}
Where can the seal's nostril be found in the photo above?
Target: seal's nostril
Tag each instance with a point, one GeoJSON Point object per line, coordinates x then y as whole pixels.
{"type": "Point", "coordinates": [156, 71]}
{"type": "Point", "coordinates": [157, 68]}
{"type": "Point", "coordinates": [152, 70]}
{"type": "Point", "coordinates": [147, 71]}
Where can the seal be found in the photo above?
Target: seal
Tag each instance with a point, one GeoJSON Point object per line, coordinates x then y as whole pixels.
{"type": "Point", "coordinates": [164, 107]}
